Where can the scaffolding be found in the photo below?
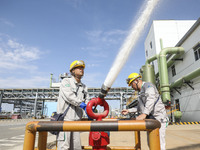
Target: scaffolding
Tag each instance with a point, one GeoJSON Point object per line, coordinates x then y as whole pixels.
{"type": "Point", "coordinates": [33, 100]}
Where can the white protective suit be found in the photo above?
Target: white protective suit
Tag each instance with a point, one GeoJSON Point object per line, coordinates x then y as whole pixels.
{"type": "Point", "coordinates": [71, 95]}
{"type": "Point", "coordinates": [150, 102]}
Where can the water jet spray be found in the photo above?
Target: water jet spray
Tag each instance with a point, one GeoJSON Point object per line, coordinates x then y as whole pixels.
{"type": "Point", "coordinates": [119, 62]}
{"type": "Point", "coordinates": [127, 46]}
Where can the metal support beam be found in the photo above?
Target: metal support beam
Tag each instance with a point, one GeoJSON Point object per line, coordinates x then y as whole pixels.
{"type": "Point", "coordinates": [188, 83]}
{"type": "Point", "coordinates": [20, 110]}
{"type": "Point", "coordinates": [43, 108]}
{"type": "Point", "coordinates": [28, 97]}
{"type": "Point", "coordinates": [171, 95]}
{"type": "Point", "coordinates": [35, 106]}
{"type": "Point", "coordinates": [121, 101]}
{"type": "Point", "coordinates": [177, 91]}
{"type": "Point", "coordinates": [1, 93]}
{"type": "Point", "coordinates": [178, 59]}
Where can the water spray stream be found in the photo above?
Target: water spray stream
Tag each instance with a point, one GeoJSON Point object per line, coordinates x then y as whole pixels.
{"type": "Point", "coordinates": [128, 45]}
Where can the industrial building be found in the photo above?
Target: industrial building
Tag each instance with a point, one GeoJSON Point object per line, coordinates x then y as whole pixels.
{"type": "Point", "coordinates": [183, 74]}
{"type": "Point", "coordinates": [183, 69]}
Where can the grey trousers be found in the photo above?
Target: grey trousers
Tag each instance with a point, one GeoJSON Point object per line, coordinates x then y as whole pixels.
{"type": "Point", "coordinates": [68, 141]}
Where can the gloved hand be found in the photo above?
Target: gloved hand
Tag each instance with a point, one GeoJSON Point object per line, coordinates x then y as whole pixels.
{"type": "Point", "coordinates": [83, 106]}
{"type": "Point", "coordinates": [88, 116]}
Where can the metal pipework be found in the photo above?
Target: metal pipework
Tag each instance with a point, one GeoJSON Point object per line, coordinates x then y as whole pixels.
{"type": "Point", "coordinates": [51, 78]}
{"type": "Point", "coordinates": [163, 71]}
{"type": "Point", "coordinates": [151, 126]}
{"type": "Point", "coordinates": [162, 68]}
{"type": "Point", "coordinates": [148, 61]}
{"type": "Point", "coordinates": [173, 57]}
{"type": "Point", "coordinates": [148, 73]}
{"type": "Point", "coordinates": [104, 91]}
{"type": "Point", "coordinates": [186, 78]}
{"type": "Point", "coordinates": [120, 125]}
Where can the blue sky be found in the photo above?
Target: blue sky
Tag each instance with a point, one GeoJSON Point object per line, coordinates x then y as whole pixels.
{"type": "Point", "coordinates": [44, 36]}
{"type": "Point", "coordinates": [40, 37]}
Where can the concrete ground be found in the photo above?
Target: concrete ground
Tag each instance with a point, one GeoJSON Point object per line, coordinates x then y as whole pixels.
{"type": "Point", "coordinates": [178, 137]}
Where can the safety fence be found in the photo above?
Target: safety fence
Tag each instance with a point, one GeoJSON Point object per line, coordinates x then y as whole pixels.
{"type": "Point", "coordinates": [149, 125]}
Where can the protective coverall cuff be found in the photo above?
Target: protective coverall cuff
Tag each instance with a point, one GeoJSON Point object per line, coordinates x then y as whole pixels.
{"type": "Point", "coordinates": [146, 112]}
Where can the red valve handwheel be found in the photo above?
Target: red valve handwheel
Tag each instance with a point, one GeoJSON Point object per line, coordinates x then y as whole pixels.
{"type": "Point", "coordinates": [95, 102]}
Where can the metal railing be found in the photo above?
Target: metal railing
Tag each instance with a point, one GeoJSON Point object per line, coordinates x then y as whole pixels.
{"type": "Point", "coordinates": [149, 125]}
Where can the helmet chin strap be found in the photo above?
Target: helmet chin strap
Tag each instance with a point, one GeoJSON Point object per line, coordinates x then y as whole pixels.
{"type": "Point", "coordinates": [136, 85]}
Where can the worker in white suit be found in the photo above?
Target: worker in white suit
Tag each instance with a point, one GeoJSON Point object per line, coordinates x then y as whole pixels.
{"type": "Point", "coordinates": [72, 96]}
{"type": "Point", "coordinates": [150, 105]}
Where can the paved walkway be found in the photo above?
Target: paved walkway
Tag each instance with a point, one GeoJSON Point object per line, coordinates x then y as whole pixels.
{"type": "Point", "coordinates": [178, 137]}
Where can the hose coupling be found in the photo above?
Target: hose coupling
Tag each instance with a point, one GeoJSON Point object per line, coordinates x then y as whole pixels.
{"type": "Point", "coordinates": [104, 91]}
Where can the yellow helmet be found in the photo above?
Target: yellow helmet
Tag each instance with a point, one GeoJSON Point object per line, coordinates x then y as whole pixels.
{"type": "Point", "coordinates": [132, 77]}
{"type": "Point", "coordinates": [77, 63]}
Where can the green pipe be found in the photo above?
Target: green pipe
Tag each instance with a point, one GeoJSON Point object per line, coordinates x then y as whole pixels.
{"type": "Point", "coordinates": [163, 73]}
{"type": "Point", "coordinates": [148, 73]}
{"type": "Point", "coordinates": [171, 60]}
{"type": "Point", "coordinates": [148, 61]}
{"type": "Point", "coordinates": [163, 68]}
{"type": "Point", "coordinates": [186, 78]}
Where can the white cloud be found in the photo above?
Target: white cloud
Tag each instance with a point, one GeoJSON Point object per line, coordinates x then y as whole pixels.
{"type": "Point", "coordinates": [102, 41]}
{"type": "Point", "coordinates": [109, 37]}
{"type": "Point", "coordinates": [14, 55]}
{"type": "Point", "coordinates": [116, 32]}
{"type": "Point", "coordinates": [92, 79]}
{"type": "Point", "coordinates": [12, 66]}
{"type": "Point", "coordinates": [92, 65]}
{"type": "Point", "coordinates": [75, 3]}
{"type": "Point", "coordinates": [6, 22]}
{"type": "Point", "coordinates": [17, 65]}
{"type": "Point", "coordinates": [33, 82]}
{"type": "Point", "coordinates": [95, 51]}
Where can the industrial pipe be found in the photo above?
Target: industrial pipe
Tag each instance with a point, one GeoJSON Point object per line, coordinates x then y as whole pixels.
{"type": "Point", "coordinates": [51, 78]}
{"type": "Point", "coordinates": [42, 140]}
{"type": "Point", "coordinates": [104, 91]}
{"type": "Point", "coordinates": [151, 126]}
{"type": "Point", "coordinates": [148, 73]}
{"type": "Point", "coordinates": [148, 61]}
{"type": "Point", "coordinates": [173, 57]}
{"type": "Point", "coordinates": [163, 71]}
{"type": "Point", "coordinates": [186, 78]}
{"type": "Point", "coordinates": [120, 125]}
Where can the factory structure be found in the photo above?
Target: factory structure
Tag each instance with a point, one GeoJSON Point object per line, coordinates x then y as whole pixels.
{"type": "Point", "coordinates": [183, 68]}
{"type": "Point", "coordinates": [183, 75]}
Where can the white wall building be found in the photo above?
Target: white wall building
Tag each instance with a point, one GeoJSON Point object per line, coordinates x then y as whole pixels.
{"type": "Point", "coordinates": [170, 31]}
{"type": "Point", "coordinates": [186, 34]}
